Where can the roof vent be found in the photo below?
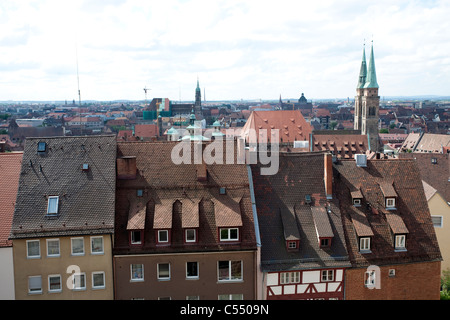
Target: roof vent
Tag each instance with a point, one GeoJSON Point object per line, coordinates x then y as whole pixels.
{"type": "Point", "coordinates": [361, 160]}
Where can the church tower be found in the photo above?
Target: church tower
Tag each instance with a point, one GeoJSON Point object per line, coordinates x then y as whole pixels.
{"type": "Point", "coordinates": [367, 103]}
{"type": "Point", "coordinates": [198, 102]}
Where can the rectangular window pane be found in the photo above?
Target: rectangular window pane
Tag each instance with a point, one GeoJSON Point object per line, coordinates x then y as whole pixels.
{"type": "Point", "coordinates": [190, 235]}
{"type": "Point", "coordinates": [137, 272]}
{"type": "Point", "coordinates": [136, 237]}
{"type": "Point", "coordinates": [191, 269]}
{"type": "Point", "coordinates": [53, 247]}
{"type": "Point", "coordinates": [437, 221]}
{"type": "Point", "coordinates": [79, 281]}
{"type": "Point", "coordinates": [33, 249]}
{"type": "Point", "coordinates": [35, 284]}
{"type": "Point", "coordinates": [236, 270]}
{"type": "Point", "coordinates": [52, 207]}
{"type": "Point", "coordinates": [97, 245]}
{"type": "Point", "coordinates": [163, 236]}
{"type": "Point", "coordinates": [54, 283]}
{"type": "Point", "coordinates": [98, 280]}
{"type": "Point", "coordinates": [230, 270]}
{"type": "Point", "coordinates": [77, 246]}
{"type": "Point", "coordinates": [224, 270]}
{"type": "Point", "coordinates": [164, 271]}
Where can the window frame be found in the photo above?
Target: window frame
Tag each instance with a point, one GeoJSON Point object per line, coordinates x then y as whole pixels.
{"type": "Point", "coordinates": [158, 271]}
{"type": "Point", "coordinates": [366, 248]}
{"type": "Point", "coordinates": [392, 205]}
{"type": "Point", "coordinates": [72, 247]}
{"type": "Point", "coordinates": [136, 279]}
{"type": "Point", "coordinates": [186, 235]}
{"type": "Point", "coordinates": [441, 222]}
{"type": "Point", "coordinates": [103, 286]}
{"type": "Point", "coordinates": [38, 291]}
{"type": "Point", "coordinates": [159, 233]}
{"type": "Point", "coordinates": [81, 275]}
{"type": "Point", "coordinates": [103, 245]}
{"type": "Point", "coordinates": [133, 242]}
{"type": "Point", "coordinates": [60, 283]}
{"type": "Point", "coordinates": [197, 276]}
{"type": "Point", "coordinates": [229, 235]}
{"type": "Point", "coordinates": [53, 255]}
{"type": "Point", "coordinates": [290, 277]}
{"type": "Point", "coordinates": [327, 275]}
{"type": "Point", "coordinates": [38, 256]}
{"type": "Point", "coordinates": [51, 213]}
{"type": "Point", "coordinates": [396, 242]}
{"type": "Point", "coordinates": [230, 277]}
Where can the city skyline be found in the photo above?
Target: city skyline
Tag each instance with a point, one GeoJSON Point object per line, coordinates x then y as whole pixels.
{"type": "Point", "coordinates": [238, 50]}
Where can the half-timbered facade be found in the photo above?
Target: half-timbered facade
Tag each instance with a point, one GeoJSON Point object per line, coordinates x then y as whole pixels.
{"type": "Point", "coordinates": [303, 251]}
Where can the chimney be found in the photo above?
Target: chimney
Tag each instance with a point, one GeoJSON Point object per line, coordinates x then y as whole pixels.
{"type": "Point", "coordinates": [328, 174]}
{"type": "Point", "coordinates": [126, 168]}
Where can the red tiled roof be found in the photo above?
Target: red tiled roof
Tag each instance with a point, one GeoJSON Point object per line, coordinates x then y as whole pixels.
{"type": "Point", "coordinates": [10, 165]}
{"type": "Point", "coordinates": [145, 130]}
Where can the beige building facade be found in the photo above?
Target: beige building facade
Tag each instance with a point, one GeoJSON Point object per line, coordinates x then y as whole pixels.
{"type": "Point", "coordinates": [64, 268]}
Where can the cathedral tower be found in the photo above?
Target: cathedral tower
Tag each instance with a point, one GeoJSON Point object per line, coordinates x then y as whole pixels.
{"type": "Point", "coordinates": [367, 103]}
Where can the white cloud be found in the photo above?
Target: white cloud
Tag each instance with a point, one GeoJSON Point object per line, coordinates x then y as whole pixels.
{"type": "Point", "coordinates": [239, 49]}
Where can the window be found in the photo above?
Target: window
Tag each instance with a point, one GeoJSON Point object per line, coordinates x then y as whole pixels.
{"type": "Point", "coordinates": [238, 296]}
{"type": "Point", "coordinates": [222, 190]}
{"type": "Point", "coordinates": [140, 192]}
{"type": "Point", "coordinates": [33, 249]}
{"type": "Point", "coordinates": [77, 246]}
{"type": "Point", "coordinates": [79, 281]}
{"type": "Point", "coordinates": [97, 245]}
{"type": "Point", "coordinates": [434, 160]}
{"type": "Point", "coordinates": [437, 221]}
{"type": "Point", "coordinates": [42, 147]}
{"type": "Point", "coordinates": [54, 283]}
{"type": "Point", "coordinates": [364, 244]}
{"type": "Point", "coordinates": [391, 273]}
{"type": "Point", "coordinates": [229, 234]}
{"type": "Point", "coordinates": [289, 277]}
{"type": "Point", "coordinates": [98, 280]}
{"type": "Point", "coordinates": [35, 284]}
{"type": "Point", "coordinates": [370, 278]}
{"type": "Point", "coordinates": [390, 202]}
{"type": "Point", "coordinates": [163, 271]}
{"type": "Point", "coordinates": [53, 248]}
{"type": "Point", "coordinates": [230, 270]}
{"type": "Point", "coordinates": [292, 244]}
{"type": "Point", "coordinates": [327, 275]}
{"type": "Point", "coordinates": [400, 242]}
{"type": "Point", "coordinates": [192, 297]}
{"type": "Point", "coordinates": [192, 270]}
{"type": "Point", "coordinates": [357, 202]}
{"type": "Point", "coordinates": [52, 205]}
{"type": "Point", "coordinates": [137, 272]}
{"type": "Point", "coordinates": [163, 236]}
{"type": "Point", "coordinates": [85, 167]}
{"type": "Point", "coordinates": [190, 235]}
{"type": "Point", "coordinates": [136, 237]}
{"type": "Point", "coordinates": [325, 242]}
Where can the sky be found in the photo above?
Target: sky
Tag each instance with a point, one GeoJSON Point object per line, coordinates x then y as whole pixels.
{"type": "Point", "coordinates": [252, 49]}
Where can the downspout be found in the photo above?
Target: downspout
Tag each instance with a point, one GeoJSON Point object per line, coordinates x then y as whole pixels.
{"type": "Point", "coordinates": [257, 235]}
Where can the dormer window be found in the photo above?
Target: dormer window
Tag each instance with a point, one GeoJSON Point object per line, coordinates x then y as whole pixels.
{"type": "Point", "coordinates": [229, 234]}
{"type": "Point", "coordinates": [390, 203]}
{"type": "Point", "coordinates": [357, 202]}
{"type": "Point", "coordinates": [163, 236]}
{"type": "Point", "coordinates": [190, 236]}
{"type": "Point", "coordinates": [400, 242]}
{"type": "Point", "coordinates": [325, 242]}
{"type": "Point", "coordinates": [364, 245]}
{"type": "Point", "coordinates": [136, 237]}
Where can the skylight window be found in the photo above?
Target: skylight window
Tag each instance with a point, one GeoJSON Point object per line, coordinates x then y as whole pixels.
{"type": "Point", "coordinates": [52, 205]}
{"type": "Point", "coordinates": [42, 147]}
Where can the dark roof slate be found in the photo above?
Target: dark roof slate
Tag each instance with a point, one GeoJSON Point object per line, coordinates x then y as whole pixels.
{"type": "Point", "coordinates": [86, 198]}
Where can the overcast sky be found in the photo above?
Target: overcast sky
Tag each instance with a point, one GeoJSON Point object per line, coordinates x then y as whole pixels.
{"type": "Point", "coordinates": [252, 49]}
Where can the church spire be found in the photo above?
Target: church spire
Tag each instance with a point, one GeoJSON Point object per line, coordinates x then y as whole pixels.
{"type": "Point", "coordinates": [363, 71]}
{"type": "Point", "coordinates": [371, 80]}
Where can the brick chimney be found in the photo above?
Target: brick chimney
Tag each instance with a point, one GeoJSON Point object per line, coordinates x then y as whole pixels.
{"type": "Point", "coordinates": [328, 174]}
{"type": "Point", "coordinates": [126, 168]}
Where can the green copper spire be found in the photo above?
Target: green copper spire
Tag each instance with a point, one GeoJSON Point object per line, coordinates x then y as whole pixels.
{"type": "Point", "coordinates": [371, 80]}
{"type": "Point", "coordinates": [363, 71]}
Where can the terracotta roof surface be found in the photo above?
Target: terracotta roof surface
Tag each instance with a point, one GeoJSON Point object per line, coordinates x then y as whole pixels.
{"type": "Point", "coordinates": [411, 214]}
{"type": "Point", "coordinates": [291, 124]}
{"type": "Point", "coordinates": [10, 164]}
{"type": "Point", "coordinates": [177, 199]}
{"type": "Point", "coordinates": [344, 146]}
{"type": "Point", "coordinates": [285, 214]}
{"type": "Point", "coordinates": [86, 197]}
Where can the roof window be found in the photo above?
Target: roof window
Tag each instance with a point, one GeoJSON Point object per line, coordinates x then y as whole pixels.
{"type": "Point", "coordinates": [42, 147]}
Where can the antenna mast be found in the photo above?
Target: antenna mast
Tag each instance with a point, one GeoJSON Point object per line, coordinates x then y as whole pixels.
{"type": "Point", "coordinates": [79, 92]}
